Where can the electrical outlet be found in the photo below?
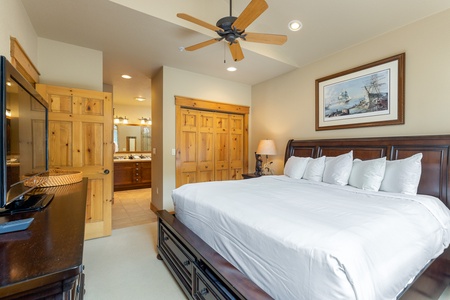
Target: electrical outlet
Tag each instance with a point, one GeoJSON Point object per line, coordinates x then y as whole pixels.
{"type": "Point", "coordinates": [173, 152]}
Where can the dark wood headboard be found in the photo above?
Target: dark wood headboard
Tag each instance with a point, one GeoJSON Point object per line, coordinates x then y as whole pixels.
{"type": "Point", "coordinates": [435, 149]}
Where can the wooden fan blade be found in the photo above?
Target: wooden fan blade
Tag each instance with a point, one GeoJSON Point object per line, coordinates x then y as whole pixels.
{"type": "Point", "coordinates": [265, 38]}
{"type": "Point", "coordinates": [201, 45]}
{"type": "Point", "coordinates": [236, 51]}
{"type": "Point", "coordinates": [250, 13]}
{"type": "Point", "coordinates": [198, 22]}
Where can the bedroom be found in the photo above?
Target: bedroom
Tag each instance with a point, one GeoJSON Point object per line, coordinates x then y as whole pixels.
{"type": "Point", "coordinates": [425, 43]}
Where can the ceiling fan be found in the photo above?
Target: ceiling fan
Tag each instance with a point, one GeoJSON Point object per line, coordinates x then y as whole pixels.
{"type": "Point", "coordinates": [231, 29]}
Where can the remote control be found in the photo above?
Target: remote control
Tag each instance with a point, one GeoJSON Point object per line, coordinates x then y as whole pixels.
{"type": "Point", "coordinates": [15, 225]}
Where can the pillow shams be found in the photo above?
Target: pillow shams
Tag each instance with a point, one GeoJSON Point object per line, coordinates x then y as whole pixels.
{"type": "Point", "coordinates": [337, 169]}
{"type": "Point", "coordinates": [295, 166]}
{"type": "Point", "coordinates": [314, 169]}
{"type": "Point", "coordinates": [403, 175]}
{"type": "Point", "coordinates": [368, 174]}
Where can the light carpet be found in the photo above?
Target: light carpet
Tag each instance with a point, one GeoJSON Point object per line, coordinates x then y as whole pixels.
{"type": "Point", "coordinates": [124, 266]}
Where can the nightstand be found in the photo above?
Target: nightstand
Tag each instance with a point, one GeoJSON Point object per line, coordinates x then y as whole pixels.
{"type": "Point", "coordinates": [250, 175]}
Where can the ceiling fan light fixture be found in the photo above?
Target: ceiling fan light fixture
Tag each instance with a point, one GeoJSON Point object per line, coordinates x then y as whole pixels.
{"type": "Point", "coordinates": [231, 69]}
{"type": "Point", "coordinates": [295, 25]}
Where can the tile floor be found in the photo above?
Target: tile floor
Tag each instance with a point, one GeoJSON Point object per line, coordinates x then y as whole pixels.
{"type": "Point", "coordinates": [132, 207]}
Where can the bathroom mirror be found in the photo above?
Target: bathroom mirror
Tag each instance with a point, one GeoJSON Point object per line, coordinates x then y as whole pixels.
{"type": "Point", "coordinates": [132, 138]}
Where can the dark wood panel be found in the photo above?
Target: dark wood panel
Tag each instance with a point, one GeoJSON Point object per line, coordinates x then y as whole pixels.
{"type": "Point", "coordinates": [132, 175]}
{"type": "Point", "coordinates": [45, 259]}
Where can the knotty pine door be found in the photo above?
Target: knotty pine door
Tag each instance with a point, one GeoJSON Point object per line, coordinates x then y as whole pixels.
{"type": "Point", "coordinates": [80, 138]}
{"type": "Point", "coordinates": [210, 146]}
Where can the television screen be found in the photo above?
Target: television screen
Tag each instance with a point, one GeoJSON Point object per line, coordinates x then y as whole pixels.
{"type": "Point", "coordinates": [24, 131]}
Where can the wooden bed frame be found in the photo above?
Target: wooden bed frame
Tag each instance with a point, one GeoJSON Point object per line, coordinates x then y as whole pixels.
{"type": "Point", "coordinates": [204, 274]}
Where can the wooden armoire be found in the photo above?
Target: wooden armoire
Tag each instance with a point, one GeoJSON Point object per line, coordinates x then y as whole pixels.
{"type": "Point", "coordinates": [211, 141]}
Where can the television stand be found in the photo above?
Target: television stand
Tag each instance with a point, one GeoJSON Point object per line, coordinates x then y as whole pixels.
{"type": "Point", "coordinates": [45, 261]}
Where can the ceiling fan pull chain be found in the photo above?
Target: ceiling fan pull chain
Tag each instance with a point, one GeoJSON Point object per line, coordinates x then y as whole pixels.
{"type": "Point", "coordinates": [224, 53]}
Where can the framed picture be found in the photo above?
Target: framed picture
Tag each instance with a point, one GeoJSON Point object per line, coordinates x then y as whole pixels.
{"type": "Point", "coordinates": [369, 95]}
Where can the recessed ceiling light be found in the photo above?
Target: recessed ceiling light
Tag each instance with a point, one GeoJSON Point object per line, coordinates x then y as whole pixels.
{"type": "Point", "coordinates": [231, 69]}
{"type": "Point", "coordinates": [140, 99]}
{"type": "Point", "coordinates": [125, 76]}
{"type": "Point", "coordinates": [295, 25]}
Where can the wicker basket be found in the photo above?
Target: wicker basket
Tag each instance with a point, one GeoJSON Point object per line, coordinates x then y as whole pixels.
{"type": "Point", "coordinates": [55, 177]}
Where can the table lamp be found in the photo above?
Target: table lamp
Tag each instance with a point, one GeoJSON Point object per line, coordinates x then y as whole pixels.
{"type": "Point", "coordinates": [265, 147]}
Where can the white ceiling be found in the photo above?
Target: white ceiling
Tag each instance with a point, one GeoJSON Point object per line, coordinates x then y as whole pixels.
{"type": "Point", "coordinates": [137, 37]}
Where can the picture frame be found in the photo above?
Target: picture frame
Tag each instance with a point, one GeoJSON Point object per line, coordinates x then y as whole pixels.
{"type": "Point", "coordinates": [369, 95]}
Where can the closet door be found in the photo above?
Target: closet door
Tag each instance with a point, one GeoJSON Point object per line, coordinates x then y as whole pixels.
{"type": "Point", "coordinates": [187, 141]}
{"type": "Point", "coordinates": [80, 138]}
{"type": "Point", "coordinates": [205, 147]}
{"type": "Point", "coordinates": [236, 137]}
{"type": "Point", "coordinates": [222, 146]}
{"type": "Point", "coordinates": [211, 146]}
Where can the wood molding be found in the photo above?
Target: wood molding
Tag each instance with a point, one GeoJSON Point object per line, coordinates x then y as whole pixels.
{"type": "Point", "coordinates": [21, 61]}
{"type": "Point", "coordinates": [211, 105]}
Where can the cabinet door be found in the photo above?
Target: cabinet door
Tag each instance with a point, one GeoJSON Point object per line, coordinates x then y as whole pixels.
{"type": "Point", "coordinates": [124, 173]}
{"type": "Point", "coordinates": [146, 173]}
{"type": "Point", "coordinates": [80, 138]}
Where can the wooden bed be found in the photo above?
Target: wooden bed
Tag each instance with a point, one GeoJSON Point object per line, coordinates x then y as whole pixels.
{"type": "Point", "coordinates": [204, 274]}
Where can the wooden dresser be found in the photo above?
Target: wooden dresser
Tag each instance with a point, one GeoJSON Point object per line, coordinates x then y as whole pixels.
{"type": "Point", "coordinates": [45, 260]}
{"type": "Point", "coordinates": [132, 174]}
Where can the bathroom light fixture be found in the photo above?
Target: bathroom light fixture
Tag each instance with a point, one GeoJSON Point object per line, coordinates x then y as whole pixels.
{"type": "Point", "coordinates": [120, 120]}
{"type": "Point", "coordinates": [140, 99]}
{"type": "Point", "coordinates": [295, 25]}
{"type": "Point", "coordinates": [147, 121]}
{"type": "Point", "coordinates": [125, 76]}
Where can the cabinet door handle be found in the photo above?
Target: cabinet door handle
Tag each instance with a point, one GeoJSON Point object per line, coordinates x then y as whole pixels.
{"type": "Point", "coordinates": [186, 263]}
{"type": "Point", "coordinates": [204, 292]}
{"type": "Point", "coordinates": [106, 171]}
{"type": "Point", "coordinates": [166, 238]}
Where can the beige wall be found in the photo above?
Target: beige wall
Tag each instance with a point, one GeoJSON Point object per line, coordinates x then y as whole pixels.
{"type": "Point", "coordinates": [68, 65]}
{"type": "Point", "coordinates": [14, 22]}
{"type": "Point", "coordinates": [177, 82]}
{"type": "Point", "coordinates": [284, 108]}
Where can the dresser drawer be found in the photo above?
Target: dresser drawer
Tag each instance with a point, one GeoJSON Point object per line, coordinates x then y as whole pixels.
{"type": "Point", "coordinates": [178, 255]}
{"type": "Point", "coordinates": [207, 287]}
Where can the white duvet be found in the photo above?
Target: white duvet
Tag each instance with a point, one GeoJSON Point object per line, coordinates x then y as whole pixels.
{"type": "Point", "coordinates": [298, 239]}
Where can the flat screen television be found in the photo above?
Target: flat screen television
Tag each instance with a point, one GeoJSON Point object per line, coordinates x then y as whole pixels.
{"type": "Point", "coordinates": [24, 148]}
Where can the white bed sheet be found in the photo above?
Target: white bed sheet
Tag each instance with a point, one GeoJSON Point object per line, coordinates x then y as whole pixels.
{"type": "Point", "coordinates": [298, 239]}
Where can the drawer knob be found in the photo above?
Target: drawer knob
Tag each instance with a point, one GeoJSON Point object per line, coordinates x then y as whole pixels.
{"type": "Point", "coordinates": [187, 263]}
{"type": "Point", "coordinates": [166, 238]}
{"type": "Point", "coordinates": [204, 292]}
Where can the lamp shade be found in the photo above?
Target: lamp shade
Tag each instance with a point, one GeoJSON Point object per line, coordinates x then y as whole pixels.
{"type": "Point", "coordinates": [266, 147]}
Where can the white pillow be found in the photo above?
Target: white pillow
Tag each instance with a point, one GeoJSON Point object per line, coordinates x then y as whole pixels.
{"type": "Point", "coordinates": [368, 174]}
{"type": "Point", "coordinates": [314, 169]}
{"type": "Point", "coordinates": [403, 175]}
{"type": "Point", "coordinates": [295, 166]}
{"type": "Point", "coordinates": [337, 169]}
